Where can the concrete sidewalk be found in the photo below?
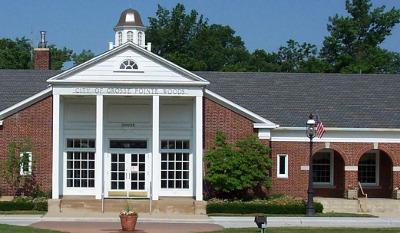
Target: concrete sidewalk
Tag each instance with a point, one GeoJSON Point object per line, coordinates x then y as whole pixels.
{"type": "Point", "coordinates": [227, 222]}
{"type": "Point", "coordinates": [358, 222]}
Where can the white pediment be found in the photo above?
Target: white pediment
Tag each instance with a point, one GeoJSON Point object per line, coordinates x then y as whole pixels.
{"type": "Point", "coordinates": [106, 68]}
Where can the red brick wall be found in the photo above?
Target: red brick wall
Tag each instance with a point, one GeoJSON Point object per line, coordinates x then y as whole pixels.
{"type": "Point", "coordinates": [298, 153]}
{"type": "Point", "coordinates": [42, 59]}
{"type": "Point", "coordinates": [218, 118]}
{"type": "Point", "coordinates": [35, 123]}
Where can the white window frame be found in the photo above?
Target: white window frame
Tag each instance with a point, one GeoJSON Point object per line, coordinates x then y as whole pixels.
{"type": "Point", "coordinates": [77, 190]}
{"type": "Point", "coordinates": [29, 172]}
{"type": "Point", "coordinates": [119, 38]}
{"type": "Point", "coordinates": [278, 165]}
{"type": "Point", "coordinates": [377, 160]}
{"type": "Point", "coordinates": [178, 191]}
{"type": "Point", "coordinates": [129, 36]}
{"type": "Point", "coordinates": [331, 169]}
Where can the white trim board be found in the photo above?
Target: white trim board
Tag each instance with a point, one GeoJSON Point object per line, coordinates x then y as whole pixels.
{"type": "Point", "coordinates": [25, 103]}
{"type": "Point", "coordinates": [368, 135]}
{"type": "Point", "coordinates": [260, 121]}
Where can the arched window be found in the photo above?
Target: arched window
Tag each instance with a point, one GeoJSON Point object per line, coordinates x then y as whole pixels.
{"type": "Point", "coordinates": [140, 38]}
{"type": "Point", "coordinates": [119, 38]}
{"type": "Point", "coordinates": [128, 65]}
{"type": "Point", "coordinates": [130, 36]}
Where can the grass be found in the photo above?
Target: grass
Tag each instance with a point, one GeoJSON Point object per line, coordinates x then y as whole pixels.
{"type": "Point", "coordinates": [22, 212]}
{"type": "Point", "coordinates": [331, 214]}
{"type": "Point", "coordinates": [17, 229]}
{"type": "Point", "coordinates": [310, 230]}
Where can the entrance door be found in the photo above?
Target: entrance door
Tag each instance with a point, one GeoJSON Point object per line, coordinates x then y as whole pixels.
{"type": "Point", "coordinates": [128, 175]}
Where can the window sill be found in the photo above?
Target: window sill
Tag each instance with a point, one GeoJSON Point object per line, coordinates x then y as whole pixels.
{"type": "Point", "coordinates": [129, 71]}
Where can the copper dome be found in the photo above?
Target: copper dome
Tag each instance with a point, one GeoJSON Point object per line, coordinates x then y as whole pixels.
{"type": "Point", "coordinates": [130, 17]}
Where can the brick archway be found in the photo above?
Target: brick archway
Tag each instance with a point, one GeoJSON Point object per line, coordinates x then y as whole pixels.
{"type": "Point", "coordinates": [376, 180]}
{"type": "Point", "coordinates": [336, 186]}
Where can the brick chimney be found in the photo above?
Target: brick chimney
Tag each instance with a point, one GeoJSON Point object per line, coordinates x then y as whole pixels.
{"type": "Point", "coordinates": [42, 54]}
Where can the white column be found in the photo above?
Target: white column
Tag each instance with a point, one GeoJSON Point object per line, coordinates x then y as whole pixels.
{"type": "Point", "coordinates": [56, 148]}
{"type": "Point", "coordinates": [99, 159]}
{"type": "Point", "coordinates": [199, 147]}
{"type": "Point", "coordinates": [156, 160]}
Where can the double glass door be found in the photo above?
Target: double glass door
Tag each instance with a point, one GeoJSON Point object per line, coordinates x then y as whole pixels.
{"type": "Point", "coordinates": [128, 175]}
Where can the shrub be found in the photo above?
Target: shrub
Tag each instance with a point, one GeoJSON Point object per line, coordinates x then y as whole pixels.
{"type": "Point", "coordinates": [234, 169]}
{"type": "Point", "coordinates": [283, 205]}
{"type": "Point", "coordinates": [24, 203]}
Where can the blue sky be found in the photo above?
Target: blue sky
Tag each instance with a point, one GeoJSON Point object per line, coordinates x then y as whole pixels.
{"type": "Point", "coordinates": [265, 24]}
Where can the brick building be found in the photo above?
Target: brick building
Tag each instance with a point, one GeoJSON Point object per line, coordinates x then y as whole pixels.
{"type": "Point", "coordinates": [129, 123]}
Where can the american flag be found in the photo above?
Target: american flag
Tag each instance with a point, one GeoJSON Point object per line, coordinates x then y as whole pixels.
{"type": "Point", "coordinates": [320, 127]}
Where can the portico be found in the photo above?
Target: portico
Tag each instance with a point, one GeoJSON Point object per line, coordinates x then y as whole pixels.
{"type": "Point", "coordinates": [122, 133]}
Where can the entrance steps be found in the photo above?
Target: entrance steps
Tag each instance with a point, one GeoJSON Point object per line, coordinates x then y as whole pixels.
{"type": "Point", "coordinates": [89, 207]}
{"type": "Point", "coordinates": [373, 206]}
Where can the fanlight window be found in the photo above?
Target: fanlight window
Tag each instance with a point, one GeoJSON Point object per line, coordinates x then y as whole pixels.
{"type": "Point", "coordinates": [128, 65]}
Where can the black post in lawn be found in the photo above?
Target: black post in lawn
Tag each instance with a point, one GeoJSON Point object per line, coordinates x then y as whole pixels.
{"type": "Point", "coordinates": [310, 131]}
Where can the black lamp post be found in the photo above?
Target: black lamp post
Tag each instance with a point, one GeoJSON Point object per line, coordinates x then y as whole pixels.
{"type": "Point", "coordinates": [310, 131]}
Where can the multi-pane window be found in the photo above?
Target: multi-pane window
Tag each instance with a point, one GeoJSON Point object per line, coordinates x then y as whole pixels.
{"type": "Point", "coordinates": [140, 38]}
{"type": "Point", "coordinates": [130, 36]}
{"type": "Point", "coordinates": [118, 171]}
{"type": "Point", "coordinates": [128, 65]}
{"type": "Point", "coordinates": [322, 168]}
{"type": "Point", "coordinates": [80, 163]}
{"type": "Point", "coordinates": [26, 163]}
{"type": "Point", "coordinates": [282, 166]}
{"type": "Point", "coordinates": [367, 169]}
{"type": "Point", "coordinates": [175, 163]}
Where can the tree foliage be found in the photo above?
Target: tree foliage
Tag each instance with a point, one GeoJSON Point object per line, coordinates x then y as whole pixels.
{"type": "Point", "coordinates": [17, 157]}
{"type": "Point", "coordinates": [234, 169]}
{"type": "Point", "coordinates": [59, 56]}
{"type": "Point", "coordinates": [15, 54]}
{"type": "Point", "coordinates": [353, 43]}
{"type": "Point", "coordinates": [83, 56]}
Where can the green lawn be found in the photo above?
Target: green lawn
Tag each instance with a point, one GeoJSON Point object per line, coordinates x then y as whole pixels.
{"type": "Point", "coordinates": [310, 230]}
{"type": "Point", "coordinates": [17, 229]}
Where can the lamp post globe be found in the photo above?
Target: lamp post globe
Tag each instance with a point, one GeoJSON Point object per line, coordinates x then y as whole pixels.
{"type": "Point", "coordinates": [310, 132]}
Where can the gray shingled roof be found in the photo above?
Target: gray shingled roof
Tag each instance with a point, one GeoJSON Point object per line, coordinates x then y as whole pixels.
{"type": "Point", "coordinates": [17, 85]}
{"type": "Point", "coordinates": [351, 101]}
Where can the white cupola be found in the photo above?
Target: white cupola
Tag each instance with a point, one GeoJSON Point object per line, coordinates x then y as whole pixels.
{"type": "Point", "coordinates": [130, 28]}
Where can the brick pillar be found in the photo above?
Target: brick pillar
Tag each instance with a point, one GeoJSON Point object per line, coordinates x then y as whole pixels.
{"type": "Point", "coordinates": [42, 58]}
{"type": "Point", "coordinates": [351, 183]}
{"type": "Point", "coordinates": [396, 182]}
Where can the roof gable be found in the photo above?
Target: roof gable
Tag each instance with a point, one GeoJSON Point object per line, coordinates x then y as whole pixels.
{"type": "Point", "coordinates": [151, 69]}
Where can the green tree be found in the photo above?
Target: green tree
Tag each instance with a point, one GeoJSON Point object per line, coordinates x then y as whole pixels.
{"type": "Point", "coordinates": [262, 61]}
{"type": "Point", "coordinates": [17, 157]}
{"type": "Point", "coordinates": [353, 43]}
{"type": "Point", "coordinates": [189, 41]}
{"type": "Point", "coordinates": [296, 57]}
{"type": "Point", "coordinates": [82, 57]}
{"type": "Point", "coordinates": [15, 54]}
{"type": "Point", "coordinates": [234, 169]}
{"type": "Point", "coordinates": [59, 56]}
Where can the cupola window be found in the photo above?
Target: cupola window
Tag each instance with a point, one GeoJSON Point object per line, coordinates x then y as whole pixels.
{"type": "Point", "coordinates": [140, 38]}
{"type": "Point", "coordinates": [130, 36]}
{"type": "Point", "coordinates": [119, 38]}
{"type": "Point", "coordinates": [128, 65]}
